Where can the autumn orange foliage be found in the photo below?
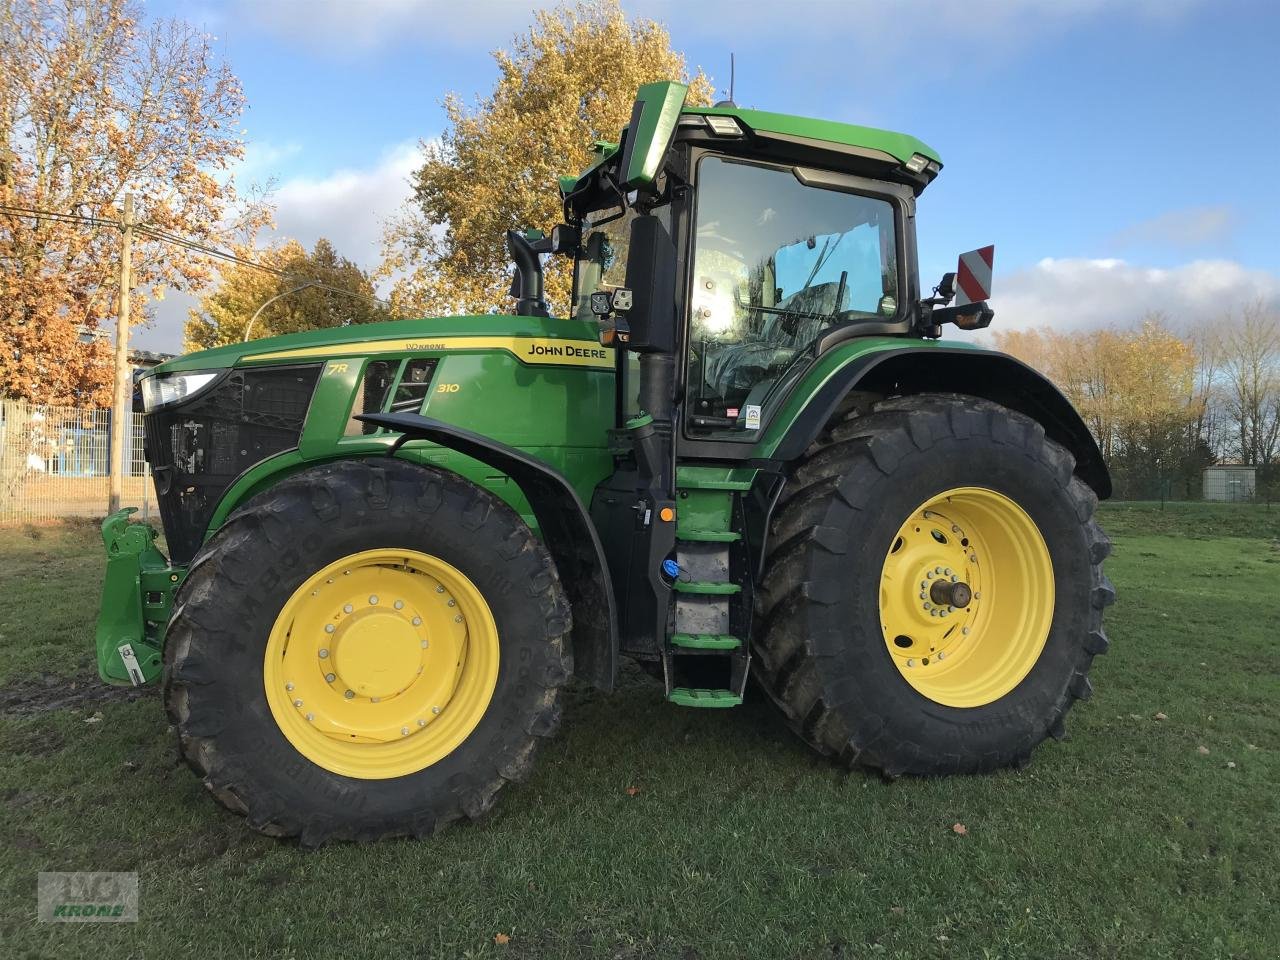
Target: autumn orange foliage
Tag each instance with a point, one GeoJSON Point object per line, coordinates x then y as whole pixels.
{"type": "Point", "coordinates": [93, 105]}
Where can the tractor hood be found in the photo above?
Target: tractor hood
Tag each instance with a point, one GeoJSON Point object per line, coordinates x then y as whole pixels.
{"type": "Point", "coordinates": [490, 331]}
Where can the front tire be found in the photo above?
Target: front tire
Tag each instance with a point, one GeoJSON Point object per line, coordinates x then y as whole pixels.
{"type": "Point", "coordinates": [933, 592]}
{"type": "Point", "coordinates": [368, 649]}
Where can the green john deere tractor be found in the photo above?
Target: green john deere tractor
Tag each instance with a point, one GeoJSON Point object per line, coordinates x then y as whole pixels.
{"type": "Point", "coordinates": [746, 453]}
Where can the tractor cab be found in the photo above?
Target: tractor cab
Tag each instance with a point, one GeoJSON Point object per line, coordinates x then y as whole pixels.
{"type": "Point", "coordinates": [767, 239]}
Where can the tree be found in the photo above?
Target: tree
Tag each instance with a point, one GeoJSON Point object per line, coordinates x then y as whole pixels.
{"type": "Point", "coordinates": [1250, 362]}
{"type": "Point", "coordinates": [1137, 390]}
{"type": "Point", "coordinates": [570, 81]}
{"type": "Point", "coordinates": [93, 106]}
{"type": "Point", "coordinates": [224, 314]}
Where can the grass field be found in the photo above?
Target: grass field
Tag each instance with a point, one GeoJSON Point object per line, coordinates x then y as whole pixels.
{"type": "Point", "coordinates": [1137, 837]}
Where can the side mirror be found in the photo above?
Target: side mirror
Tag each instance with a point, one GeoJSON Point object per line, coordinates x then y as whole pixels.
{"type": "Point", "coordinates": [967, 316]}
{"type": "Point", "coordinates": [651, 282]}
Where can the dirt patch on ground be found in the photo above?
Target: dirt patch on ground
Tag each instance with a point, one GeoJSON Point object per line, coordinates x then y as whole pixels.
{"type": "Point", "coordinates": [46, 692]}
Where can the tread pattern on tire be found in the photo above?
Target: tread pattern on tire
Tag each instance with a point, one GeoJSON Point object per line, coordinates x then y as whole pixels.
{"type": "Point", "coordinates": [803, 672]}
{"type": "Point", "coordinates": [205, 623]}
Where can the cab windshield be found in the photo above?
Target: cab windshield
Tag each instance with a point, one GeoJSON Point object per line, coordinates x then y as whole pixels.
{"type": "Point", "coordinates": [776, 263]}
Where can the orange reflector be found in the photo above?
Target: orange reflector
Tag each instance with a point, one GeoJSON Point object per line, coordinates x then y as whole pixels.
{"type": "Point", "coordinates": [667, 514]}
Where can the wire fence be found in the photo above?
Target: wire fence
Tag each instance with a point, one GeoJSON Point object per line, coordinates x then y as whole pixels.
{"type": "Point", "coordinates": [55, 462]}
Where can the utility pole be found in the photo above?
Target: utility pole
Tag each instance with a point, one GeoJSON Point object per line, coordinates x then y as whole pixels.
{"type": "Point", "coordinates": [122, 409]}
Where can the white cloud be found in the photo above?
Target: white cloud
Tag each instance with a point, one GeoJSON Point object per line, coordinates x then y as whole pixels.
{"type": "Point", "coordinates": [349, 206]}
{"type": "Point", "coordinates": [357, 28]}
{"type": "Point", "coordinates": [1183, 229]}
{"type": "Point", "coordinates": [864, 26]}
{"type": "Point", "coordinates": [1078, 294]}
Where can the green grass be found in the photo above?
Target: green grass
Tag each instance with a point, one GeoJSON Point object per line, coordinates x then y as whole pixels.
{"type": "Point", "coordinates": [1125, 841]}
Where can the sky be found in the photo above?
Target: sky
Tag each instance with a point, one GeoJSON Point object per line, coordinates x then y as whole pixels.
{"type": "Point", "coordinates": [1120, 154]}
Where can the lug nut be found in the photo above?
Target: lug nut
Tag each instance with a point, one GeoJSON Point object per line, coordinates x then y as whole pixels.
{"type": "Point", "coordinates": [458, 618]}
{"type": "Point", "coordinates": [288, 686]}
{"type": "Point", "coordinates": [439, 588]}
{"type": "Point", "coordinates": [929, 575]}
{"type": "Point", "coordinates": [349, 694]}
{"type": "Point", "coordinates": [347, 608]}
{"type": "Point", "coordinates": [947, 571]}
{"type": "Point", "coordinates": [911, 663]}
{"type": "Point", "coordinates": [954, 528]}
{"type": "Point", "coordinates": [977, 596]}
{"type": "Point", "coordinates": [923, 595]}
{"type": "Point", "coordinates": [311, 716]}
{"type": "Point", "coordinates": [329, 628]}
{"type": "Point", "coordinates": [323, 653]}
{"type": "Point", "coordinates": [417, 621]}
{"type": "Point", "coordinates": [965, 631]}
{"type": "Point", "coordinates": [404, 731]}
{"type": "Point", "coordinates": [435, 710]}
{"type": "Point", "coordinates": [297, 703]}
{"type": "Point", "coordinates": [422, 723]}
{"type": "Point", "coordinates": [937, 569]}
{"type": "Point", "coordinates": [373, 600]}
{"type": "Point", "coordinates": [453, 603]}
{"type": "Point", "coordinates": [928, 606]}
{"type": "Point", "coordinates": [399, 604]}
{"type": "Point", "coordinates": [942, 655]}
{"type": "Point", "coordinates": [329, 678]}
{"type": "Point", "coordinates": [954, 578]}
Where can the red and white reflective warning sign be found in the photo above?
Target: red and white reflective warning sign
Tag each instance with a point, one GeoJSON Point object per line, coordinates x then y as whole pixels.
{"type": "Point", "coordinates": [973, 276]}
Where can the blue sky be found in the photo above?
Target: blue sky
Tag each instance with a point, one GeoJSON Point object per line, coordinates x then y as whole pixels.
{"type": "Point", "coordinates": [1121, 155]}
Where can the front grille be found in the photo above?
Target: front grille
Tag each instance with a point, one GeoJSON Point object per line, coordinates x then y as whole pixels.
{"type": "Point", "coordinates": [196, 450]}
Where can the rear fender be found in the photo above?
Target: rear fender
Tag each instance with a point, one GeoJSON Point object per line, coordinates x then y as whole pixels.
{"type": "Point", "coordinates": [566, 528]}
{"type": "Point", "coordinates": [978, 373]}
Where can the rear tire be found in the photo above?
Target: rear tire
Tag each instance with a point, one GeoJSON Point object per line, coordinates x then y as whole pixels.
{"type": "Point", "coordinates": [824, 649]}
{"type": "Point", "coordinates": [228, 613]}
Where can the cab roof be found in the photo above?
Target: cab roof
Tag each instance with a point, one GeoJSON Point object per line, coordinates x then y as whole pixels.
{"type": "Point", "coordinates": [660, 112]}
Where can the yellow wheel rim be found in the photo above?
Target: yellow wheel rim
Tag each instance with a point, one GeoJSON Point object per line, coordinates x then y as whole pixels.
{"type": "Point", "coordinates": [381, 664]}
{"type": "Point", "coordinates": [966, 597]}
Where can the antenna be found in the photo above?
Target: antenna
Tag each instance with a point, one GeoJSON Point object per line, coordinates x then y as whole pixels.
{"type": "Point", "coordinates": [731, 76]}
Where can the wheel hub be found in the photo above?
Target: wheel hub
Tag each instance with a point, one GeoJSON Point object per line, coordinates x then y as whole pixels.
{"type": "Point", "coordinates": [951, 595]}
{"type": "Point", "coordinates": [377, 654]}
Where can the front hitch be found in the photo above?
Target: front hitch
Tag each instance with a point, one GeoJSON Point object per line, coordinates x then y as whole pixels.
{"type": "Point", "coordinates": [137, 596]}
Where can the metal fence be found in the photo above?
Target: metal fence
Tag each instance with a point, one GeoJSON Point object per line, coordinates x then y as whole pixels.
{"type": "Point", "coordinates": [55, 462]}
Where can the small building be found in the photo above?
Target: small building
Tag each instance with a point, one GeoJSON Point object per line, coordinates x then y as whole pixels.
{"type": "Point", "coordinates": [1230, 482]}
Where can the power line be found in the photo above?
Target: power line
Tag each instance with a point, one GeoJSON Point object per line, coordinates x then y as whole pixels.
{"type": "Point", "coordinates": [186, 242]}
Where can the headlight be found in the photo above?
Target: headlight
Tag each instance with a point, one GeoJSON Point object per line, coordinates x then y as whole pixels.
{"type": "Point", "coordinates": [163, 390]}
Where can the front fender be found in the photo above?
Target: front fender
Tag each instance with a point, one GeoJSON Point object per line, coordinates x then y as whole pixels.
{"type": "Point", "coordinates": [899, 371]}
{"type": "Point", "coordinates": [565, 526]}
